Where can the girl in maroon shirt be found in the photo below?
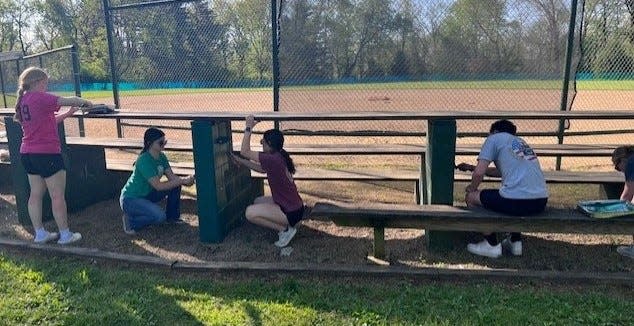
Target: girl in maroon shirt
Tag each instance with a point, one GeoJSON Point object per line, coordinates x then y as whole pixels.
{"type": "Point", "coordinates": [284, 208]}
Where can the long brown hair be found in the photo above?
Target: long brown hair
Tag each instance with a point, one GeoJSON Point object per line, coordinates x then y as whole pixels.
{"type": "Point", "coordinates": [28, 78]}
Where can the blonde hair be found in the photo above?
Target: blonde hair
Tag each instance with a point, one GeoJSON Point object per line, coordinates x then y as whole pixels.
{"type": "Point", "coordinates": [28, 78]}
{"type": "Point", "coordinates": [622, 152]}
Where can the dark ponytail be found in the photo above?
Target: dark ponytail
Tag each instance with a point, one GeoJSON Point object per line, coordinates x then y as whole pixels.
{"type": "Point", "coordinates": [289, 161]}
{"type": "Point", "coordinates": [275, 139]}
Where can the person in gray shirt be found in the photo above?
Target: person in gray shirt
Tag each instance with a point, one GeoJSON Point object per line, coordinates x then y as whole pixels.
{"type": "Point", "coordinates": [523, 190]}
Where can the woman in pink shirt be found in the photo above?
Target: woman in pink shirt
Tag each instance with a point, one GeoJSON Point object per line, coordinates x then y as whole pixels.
{"type": "Point", "coordinates": [40, 151]}
{"type": "Point", "coordinates": [284, 208]}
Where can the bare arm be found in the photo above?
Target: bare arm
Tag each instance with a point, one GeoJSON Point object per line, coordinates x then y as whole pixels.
{"type": "Point", "coordinates": [187, 181]}
{"type": "Point", "coordinates": [478, 175]}
{"type": "Point", "coordinates": [628, 191]}
{"type": "Point", "coordinates": [490, 171]}
{"type": "Point", "coordinates": [255, 166]}
{"type": "Point", "coordinates": [245, 149]}
{"type": "Point", "coordinates": [61, 116]}
{"type": "Point", "coordinates": [73, 101]}
{"type": "Point", "coordinates": [159, 185]}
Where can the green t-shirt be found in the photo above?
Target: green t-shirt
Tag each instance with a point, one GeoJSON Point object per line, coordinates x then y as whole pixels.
{"type": "Point", "coordinates": [146, 167]}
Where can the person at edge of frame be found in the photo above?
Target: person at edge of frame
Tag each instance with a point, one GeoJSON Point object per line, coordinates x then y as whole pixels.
{"type": "Point", "coordinates": [623, 160]}
{"type": "Point", "coordinates": [37, 112]}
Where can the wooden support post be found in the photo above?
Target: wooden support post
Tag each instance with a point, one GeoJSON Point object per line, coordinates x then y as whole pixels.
{"type": "Point", "coordinates": [378, 255]}
{"type": "Point", "coordinates": [421, 187]}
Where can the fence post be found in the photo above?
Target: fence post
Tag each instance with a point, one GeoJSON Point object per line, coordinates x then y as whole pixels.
{"type": "Point", "coordinates": [113, 69]}
{"type": "Point", "coordinates": [566, 83]}
{"type": "Point", "coordinates": [4, 95]}
{"type": "Point", "coordinates": [74, 56]}
{"type": "Point", "coordinates": [276, 62]}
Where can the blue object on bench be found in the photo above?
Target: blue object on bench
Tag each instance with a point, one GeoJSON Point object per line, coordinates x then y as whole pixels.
{"type": "Point", "coordinates": [606, 208]}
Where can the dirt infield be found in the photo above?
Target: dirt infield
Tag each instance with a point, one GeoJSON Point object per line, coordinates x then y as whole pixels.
{"type": "Point", "coordinates": [385, 100]}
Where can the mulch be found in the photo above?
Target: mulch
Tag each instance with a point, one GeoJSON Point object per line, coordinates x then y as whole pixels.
{"type": "Point", "coordinates": [320, 241]}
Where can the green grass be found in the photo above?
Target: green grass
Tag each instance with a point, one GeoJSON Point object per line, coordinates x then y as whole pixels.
{"type": "Point", "coordinates": [49, 291]}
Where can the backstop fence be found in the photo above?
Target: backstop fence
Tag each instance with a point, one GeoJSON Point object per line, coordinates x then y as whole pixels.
{"type": "Point", "coordinates": [62, 67]}
{"type": "Point", "coordinates": [373, 55]}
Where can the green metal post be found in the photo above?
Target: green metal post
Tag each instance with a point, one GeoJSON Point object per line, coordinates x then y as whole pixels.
{"type": "Point", "coordinates": [4, 95]}
{"type": "Point", "coordinates": [210, 225]}
{"type": "Point", "coordinates": [440, 161]}
{"type": "Point", "coordinates": [77, 82]}
{"type": "Point", "coordinates": [113, 67]}
{"type": "Point", "coordinates": [276, 61]}
{"type": "Point", "coordinates": [566, 83]}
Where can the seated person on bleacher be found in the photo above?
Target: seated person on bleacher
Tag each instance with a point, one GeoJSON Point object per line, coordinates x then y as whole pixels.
{"type": "Point", "coordinates": [523, 190]}
{"type": "Point", "coordinates": [144, 187]}
{"type": "Point", "coordinates": [623, 159]}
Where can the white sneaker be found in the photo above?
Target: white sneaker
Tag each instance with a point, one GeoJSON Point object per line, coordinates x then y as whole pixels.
{"type": "Point", "coordinates": [49, 237]}
{"type": "Point", "coordinates": [483, 248]}
{"type": "Point", "coordinates": [286, 237]}
{"type": "Point", "coordinates": [126, 225]}
{"type": "Point", "coordinates": [627, 251]}
{"type": "Point", "coordinates": [514, 247]}
{"type": "Point", "coordinates": [76, 236]}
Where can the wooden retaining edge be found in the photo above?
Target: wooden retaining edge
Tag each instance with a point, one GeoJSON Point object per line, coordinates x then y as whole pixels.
{"type": "Point", "coordinates": [87, 252]}
{"type": "Point", "coordinates": [333, 270]}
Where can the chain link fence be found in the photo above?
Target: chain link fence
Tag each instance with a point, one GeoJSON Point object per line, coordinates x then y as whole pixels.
{"type": "Point", "coordinates": [62, 67]}
{"type": "Point", "coordinates": [373, 55]}
{"type": "Point", "coordinates": [405, 55]}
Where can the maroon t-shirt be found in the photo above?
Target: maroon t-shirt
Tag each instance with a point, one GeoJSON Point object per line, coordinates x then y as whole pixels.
{"type": "Point", "coordinates": [283, 187]}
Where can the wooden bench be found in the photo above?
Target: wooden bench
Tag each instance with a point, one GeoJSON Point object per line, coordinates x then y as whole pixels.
{"type": "Point", "coordinates": [611, 182]}
{"type": "Point", "coordinates": [546, 150]}
{"type": "Point", "coordinates": [450, 218]}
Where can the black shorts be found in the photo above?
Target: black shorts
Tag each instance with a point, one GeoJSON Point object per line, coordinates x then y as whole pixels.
{"type": "Point", "coordinates": [491, 199]}
{"type": "Point", "coordinates": [44, 165]}
{"type": "Point", "coordinates": [295, 216]}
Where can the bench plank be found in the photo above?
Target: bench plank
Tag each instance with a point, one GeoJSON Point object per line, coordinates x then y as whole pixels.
{"type": "Point", "coordinates": [450, 218]}
{"type": "Point", "coordinates": [124, 143]}
{"type": "Point", "coordinates": [126, 166]}
{"type": "Point", "coordinates": [404, 175]}
{"type": "Point", "coordinates": [547, 150]}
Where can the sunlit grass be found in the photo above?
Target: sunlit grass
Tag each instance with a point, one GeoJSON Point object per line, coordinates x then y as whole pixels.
{"type": "Point", "coordinates": [70, 292]}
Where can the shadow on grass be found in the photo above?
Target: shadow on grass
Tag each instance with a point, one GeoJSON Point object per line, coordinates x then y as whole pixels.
{"type": "Point", "coordinates": [60, 292]}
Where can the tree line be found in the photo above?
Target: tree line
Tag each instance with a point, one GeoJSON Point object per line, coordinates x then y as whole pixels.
{"type": "Point", "coordinates": [228, 42]}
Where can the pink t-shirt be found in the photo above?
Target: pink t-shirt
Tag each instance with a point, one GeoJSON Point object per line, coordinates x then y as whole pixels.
{"type": "Point", "coordinates": [38, 123]}
{"type": "Point", "coordinates": [283, 187]}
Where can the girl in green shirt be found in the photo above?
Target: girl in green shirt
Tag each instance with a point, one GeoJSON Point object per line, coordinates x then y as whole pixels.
{"type": "Point", "coordinates": [144, 188]}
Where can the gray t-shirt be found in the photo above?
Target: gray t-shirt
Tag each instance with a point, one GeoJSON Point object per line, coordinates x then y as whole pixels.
{"type": "Point", "coordinates": [522, 176]}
